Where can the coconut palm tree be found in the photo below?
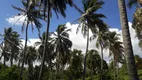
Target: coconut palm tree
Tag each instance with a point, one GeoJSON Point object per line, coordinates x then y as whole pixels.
{"type": "Point", "coordinates": [32, 16]}
{"type": "Point", "coordinates": [137, 23]}
{"type": "Point", "coordinates": [101, 43]}
{"type": "Point", "coordinates": [5, 45]}
{"type": "Point", "coordinates": [62, 46]}
{"type": "Point", "coordinates": [93, 61]}
{"type": "Point", "coordinates": [41, 47]}
{"type": "Point", "coordinates": [15, 44]}
{"type": "Point", "coordinates": [90, 20]}
{"type": "Point", "coordinates": [5, 52]}
{"type": "Point", "coordinates": [128, 50]}
{"type": "Point", "coordinates": [75, 67]}
{"type": "Point", "coordinates": [116, 50]}
{"type": "Point", "coordinates": [50, 54]}
{"type": "Point", "coordinates": [58, 7]}
{"type": "Point", "coordinates": [10, 44]}
{"type": "Point", "coordinates": [30, 58]}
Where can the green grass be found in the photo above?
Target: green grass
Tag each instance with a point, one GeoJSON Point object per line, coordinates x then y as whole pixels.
{"type": "Point", "coordinates": [122, 76]}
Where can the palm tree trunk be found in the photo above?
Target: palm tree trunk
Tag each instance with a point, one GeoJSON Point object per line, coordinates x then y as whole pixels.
{"type": "Point", "coordinates": [117, 71]}
{"type": "Point", "coordinates": [4, 59]}
{"type": "Point", "coordinates": [58, 61]}
{"type": "Point", "coordinates": [91, 73]}
{"type": "Point", "coordinates": [50, 69]}
{"type": "Point", "coordinates": [62, 72]}
{"type": "Point", "coordinates": [30, 71]}
{"type": "Point", "coordinates": [19, 63]}
{"type": "Point", "coordinates": [102, 60]}
{"type": "Point", "coordinates": [11, 59]}
{"type": "Point", "coordinates": [11, 62]}
{"type": "Point", "coordinates": [46, 39]}
{"type": "Point", "coordinates": [114, 68]}
{"type": "Point", "coordinates": [133, 75]}
{"type": "Point", "coordinates": [87, 45]}
{"type": "Point", "coordinates": [25, 48]}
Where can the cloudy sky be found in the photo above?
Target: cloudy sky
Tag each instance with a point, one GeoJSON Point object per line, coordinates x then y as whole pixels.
{"type": "Point", "coordinates": [110, 10]}
{"type": "Point", "coordinates": [79, 42]}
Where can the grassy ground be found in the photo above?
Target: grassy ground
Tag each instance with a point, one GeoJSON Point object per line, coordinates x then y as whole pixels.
{"type": "Point", "coordinates": [122, 76]}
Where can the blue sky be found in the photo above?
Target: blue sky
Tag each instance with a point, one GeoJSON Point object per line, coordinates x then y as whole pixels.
{"type": "Point", "coordinates": [110, 10]}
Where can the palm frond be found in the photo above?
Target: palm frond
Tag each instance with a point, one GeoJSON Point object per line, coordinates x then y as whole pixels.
{"type": "Point", "coordinates": [19, 9]}
{"type": "Point", "coordinates": [131, 3]}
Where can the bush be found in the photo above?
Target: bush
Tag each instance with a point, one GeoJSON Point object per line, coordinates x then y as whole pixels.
{"type": "Point", "coordinates": [9, 73]}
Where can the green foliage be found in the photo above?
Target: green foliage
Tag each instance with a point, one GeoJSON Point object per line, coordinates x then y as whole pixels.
{"type": "Point", "coordinates": [140, 74]}
{"type": "Point", "coordinates": [75, 69]}
{"type": "Point", "coordinates": [138, 61]}
{"type": "Point", "coordinates": [10, 73]}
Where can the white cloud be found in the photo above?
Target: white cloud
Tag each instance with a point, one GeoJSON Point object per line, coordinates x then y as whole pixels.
{"type": "Point", "coordinates": [135, 41]}
{"type": "Point", "coordinates": [79, 42]}
{"type": "Point", "coordinates": [16, 20]}
{"type": "Point", "coordinates": [31, 42]}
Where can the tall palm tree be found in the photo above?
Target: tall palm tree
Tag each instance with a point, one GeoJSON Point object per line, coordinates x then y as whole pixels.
{"type": "Point", "coordinates": [15, 44]}
{"type": "Point", "coordinates": [132, 71]}
{"type": "Point", "coordinates": [41, 47]}
{"type": "Point", "coordinates": [62, 46]}
{"type": "Point", "coordinates": [75, 66]}
{"type": "Point", "coordinates": [5, 45]}
{"type": "Point", "coordinates": [137, 23]}
{"type": "Point", "coordinates": [101, 43]}
{"type": "Point", "coordinates": [93, 61]}
{"type": "Point", "coordinates": [5, 52]}
{"type": "Point", "coordinates": [32, 16]}
{"type": "Point", "coordinates": [10, 44]}
{"type": "Point", "coordinates": [116, 50]}
{"type": "Point", "coordinates": [30, 58]}
{"type": "Point", "coordinates": [50, 54]}
{"type": "Point", "coordinates": [58, 7]}
{"type": "Point", "coordinates": [90, 20]}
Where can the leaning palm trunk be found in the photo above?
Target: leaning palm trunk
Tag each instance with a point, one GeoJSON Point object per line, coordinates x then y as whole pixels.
{"type": "Point", "coordinates": [127, 42]}
{"type": "Point", "coordinates": [87, 45]}
{"type": "Point", "coordinates": [46, 40]}
{"type": "Point", "coordinates": [25, 48]}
